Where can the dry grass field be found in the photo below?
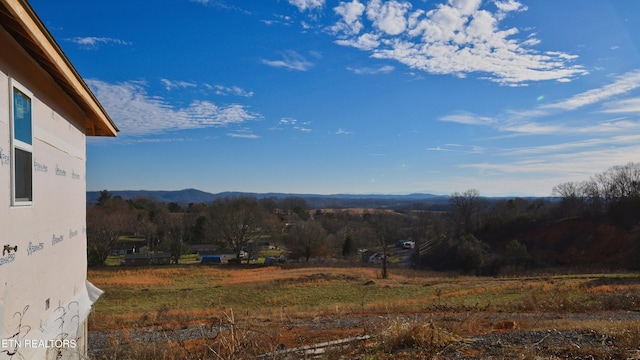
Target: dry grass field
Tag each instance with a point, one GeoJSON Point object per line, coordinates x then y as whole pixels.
{"type": "Point", "coordinates": [244, 312]}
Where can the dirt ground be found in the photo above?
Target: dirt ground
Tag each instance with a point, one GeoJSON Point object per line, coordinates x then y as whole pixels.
{"type": "Point", "coordinates": [474, 335]}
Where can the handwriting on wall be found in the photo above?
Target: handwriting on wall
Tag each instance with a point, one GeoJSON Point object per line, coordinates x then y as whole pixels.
{"type": "Point", "coordinates": [4, 157]}
{"type": "Point", "coordinates": [40, 167]}
{"type": "Point", "coordinates": [57, 239]}
{"type": "Point", "coordinates": [7, 258]}
{"type": "Point", "coordinates": [32, 248]}
{"type": "Point", "coordinates": [60, 171]}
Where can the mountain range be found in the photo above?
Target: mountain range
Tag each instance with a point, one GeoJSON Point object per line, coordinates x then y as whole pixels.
{"type": "Point", "coordinates": [188, 196]}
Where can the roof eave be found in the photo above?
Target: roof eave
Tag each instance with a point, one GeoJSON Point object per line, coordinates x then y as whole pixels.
{"type": "Point", "coordinates": [46, 51]}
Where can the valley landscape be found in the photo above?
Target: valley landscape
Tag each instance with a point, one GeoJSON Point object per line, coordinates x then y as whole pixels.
{"type": "Point", "coordinates": [233, 312]}
{"type": "Point", "coordinates": [466, 278]}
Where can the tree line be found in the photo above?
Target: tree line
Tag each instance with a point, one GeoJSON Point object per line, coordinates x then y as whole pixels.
{"type": "Point", "coordinates": [474, 234]}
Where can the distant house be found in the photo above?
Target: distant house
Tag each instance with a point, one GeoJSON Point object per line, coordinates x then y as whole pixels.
{"type": "Point", "coordinates": [46, 113]}
{"type": "Point", "coordinates": [202, 250]}
{"type": "Point", "coordinates": [202, 253]}
{"type": "Point", "coordinates": [211, 259]}
{"type": "Point", "coordinates": [226, 255]}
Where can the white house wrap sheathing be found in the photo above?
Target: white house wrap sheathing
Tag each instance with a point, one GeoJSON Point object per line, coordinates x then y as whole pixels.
{"type": "Point", "coordinates": [44, 294]}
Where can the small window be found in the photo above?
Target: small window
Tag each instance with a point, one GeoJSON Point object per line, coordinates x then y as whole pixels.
{"type": "Point", "coordinates": [22, 145]}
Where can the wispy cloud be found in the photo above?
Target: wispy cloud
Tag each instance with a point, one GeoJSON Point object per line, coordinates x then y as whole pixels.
{"type": "Point", "coordinates": [385, 69]}
{"type": "Point", "coordinates": [137, 113]}
{"type": "Point", "coordinates": [343, 132]}
{"type": "Point", "coordinates": [289, 123]}
{"type": "Point", "coordinates": [217, 89]}
{"type": "Point", "coordinates": [230, 90]}
{"type": "Point", "coordinates": [622, 85]}
{"type": "Point", "coordinates": [457, 38]}
{"type": "Point", "coordinates": [582, 158]}
{"type": "Point", "coordinates": [576, 146]}
{"type": "Point", "coordinates": [170, 85]}
{"type": "Point", "coordinates": [304, 5]}
{"type": "Point", "coordinates": [290, 60]}
{"type": "Point", "coordinates": [221, 5]}
{"type": "Point", "coordinates": [468, 149]}
{"type": "Point", "coordinates": [279, 19]}
{"type": "Point", "coordinates": [623, 106]}
{"type": "Point", "coordinates": [243, 135]}
{"type": "Point", "coordinates": [468, 119]}
{"type": "Point", "coordinates": [535, 121]}
{"type": "Point", "coordinates": [93, 42]}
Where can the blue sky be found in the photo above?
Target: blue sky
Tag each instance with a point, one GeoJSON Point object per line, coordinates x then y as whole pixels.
{"type": "Point", "coordinates": [364, 96]}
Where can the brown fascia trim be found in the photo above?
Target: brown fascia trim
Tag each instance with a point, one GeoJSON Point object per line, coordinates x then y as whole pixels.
{"type": "Point", "coordinates": [99, 122]}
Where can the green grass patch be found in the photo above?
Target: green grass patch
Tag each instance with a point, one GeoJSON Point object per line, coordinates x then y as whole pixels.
{"type": "Point", "coordinates": [260, 291]}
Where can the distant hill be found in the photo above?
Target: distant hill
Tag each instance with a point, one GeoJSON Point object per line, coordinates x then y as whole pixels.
{"type": "Point", "coordinates": [188, 196]}
{"type": "Point", "coordinates": [181, 196]}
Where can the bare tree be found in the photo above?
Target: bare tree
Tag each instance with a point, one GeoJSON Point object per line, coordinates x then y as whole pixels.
{"type": "Point", "coordinates": [385, 227]}
{"type": "Point", "coordinates": [237, 220]}
{"type": "Point", "coordinates": [106, 222]}
{"type": "Point", "coordinates": [171, 231]}
{"type": "Point", "coordinates": [466, 209]}
{"type": "Point", "coordinates": [573, 197]}
{"type": "Point", "coordinates": [307, 239]}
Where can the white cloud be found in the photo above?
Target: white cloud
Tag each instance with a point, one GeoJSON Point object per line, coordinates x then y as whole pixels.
{"type": "Point", "coordinates": [622, 85]}
{"type": "Point", "coordinates": [92, 42]}
{"type": "Point", "coordinates": [289, 123]}
{"type": "Point", "coordinates": [220, 5]}
{"type": "Point", "coordinates": [458, 38]}
{"type": "Point", "coordinates": [243, 135]}
{"type": "Point", "coordinates": [230, 90]}
{"type": "Point", "coordinates": [468, 119]}
{"type": "Point", "coordinates": [170, 85]}
{"type": "Point", "coordinates": [290, 60]}
{"type": "Point", "coordinates": [372, 70]}
{"type": "Point", "coordinates": [343, 132]}
{"type": "Point", "coordinates": [137, 113]}
{"type": "Point", "coordinates": [534, 128]}
{"type": "Point", "coordinates": [507, 6]}
{"type": "Point", "coordinates": [545, 119]}
{"type": "Point", "coordinates": [582, 158]}
{"type": "Point", "coordinates": [389, 17]}
{"type": "Point", "coordinates": [217, 88]}
{"type": "Point", "coordinates": [623, 106]}
{"type": "Point", "coordinates": [468, 149]}
{"type": "Point", "coordinates": [363, 42]}
{"type": "Point", "coordinates": [351, 12]}
{"type": "Point", "coordinates": [304, 5]}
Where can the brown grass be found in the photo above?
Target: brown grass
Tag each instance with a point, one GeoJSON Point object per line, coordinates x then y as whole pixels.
{"type": "Point", "coordinates": [285, 303]}
{"type": "Point", "coordinates": [137, 277]}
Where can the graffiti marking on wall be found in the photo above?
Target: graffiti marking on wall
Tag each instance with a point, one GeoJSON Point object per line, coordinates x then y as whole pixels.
{"type": "Point", "coordinates": [40, 167]}
{"type": "Point", "coordinates": [56, 239]}
{"type": "Point", "coordinates": [7, 258]}
{"type": "Point", "coordinates": [13, 342]}
{"type": "Point", "coordinates": [60, 171]}
{"type": "Point", "coordinates": [34, 247]}
{"type": "Point", "coordinates": [4, 157]}
{"type": "Point", "coordinates": [74, 175]}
